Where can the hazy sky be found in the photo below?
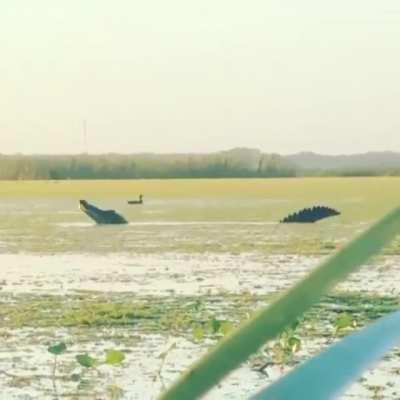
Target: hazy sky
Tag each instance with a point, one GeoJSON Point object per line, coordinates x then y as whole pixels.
{"type": "Point", "coordinates": [181, 75]}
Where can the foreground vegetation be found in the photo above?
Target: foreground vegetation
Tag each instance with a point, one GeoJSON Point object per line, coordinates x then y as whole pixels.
{"type": "Point", "coordinates": [64, 326]}
{"type": "Point", "coordinates": [195, 317]}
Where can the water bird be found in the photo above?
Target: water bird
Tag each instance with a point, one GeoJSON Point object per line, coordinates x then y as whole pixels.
{"type": "Point", "coordinates": [140, 201]}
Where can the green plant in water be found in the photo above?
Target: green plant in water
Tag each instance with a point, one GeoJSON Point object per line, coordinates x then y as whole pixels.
{"type": "Point", "coordinates": [56, 350]}
{"type": "Point", "coordinates": [345, 322]}
{"type": "Point", "coordinates": [212, 328]}
{"type": "Point", "coordinates": [86, 361]}
{"type": "Point", "coordinates": [348, 358]}
{"type": "Point", "coordinates": [284, 349]}
{"type": "Point", "coordinates": [281, 352]}
{"type": "Point", "coordinates": [114, 357]}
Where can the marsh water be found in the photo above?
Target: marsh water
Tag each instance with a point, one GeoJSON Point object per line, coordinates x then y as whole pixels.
{"type": "Point", "coordinates": [179, 264]}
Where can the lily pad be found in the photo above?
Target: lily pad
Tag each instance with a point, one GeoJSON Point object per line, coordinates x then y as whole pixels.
{"type": "Point", "coordinates": [114, 357]}
{"type": "Point", "coordinates": [57, 349]}
{"type": "Point", "coordinates": [85, 360]}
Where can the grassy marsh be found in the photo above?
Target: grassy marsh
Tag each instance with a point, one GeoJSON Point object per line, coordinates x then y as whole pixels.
{"type": "Point", "coordinates": [196, 259]}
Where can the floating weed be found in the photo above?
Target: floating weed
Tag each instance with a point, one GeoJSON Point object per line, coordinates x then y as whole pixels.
{"type": "Point", "coordinates": [193, 317]}
{"type": "Point", "coordinates": [114, 357]}
{"type": "Point", "coordinates": [281, 352]}
{"type": "Point", "coordinates": [213, 328]}
{"type": "Point", "coordinates": [345, 322]}
{"type": "Point", "coordinates": [272, 320]}
{"type": "Point", "coordinates": [56, 350]}
{"type": "Point", "coordinates": [198, 333]}
{"type": "Point", "coordinates": [115, 392]}
{"type": "Point", "coordinates": [86, 361]}
{"type": "Point", "coordinates": [203, 317]}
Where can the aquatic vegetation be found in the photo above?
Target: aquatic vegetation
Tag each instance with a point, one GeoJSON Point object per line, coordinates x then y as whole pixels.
{"type": "Point", "coordinates": [189, 235]}
{"type": "Point", "coordinates": [99, 318]}
{"type": "Point", "coordinates": [86, 362]}
{"type": "Point", "coordinates": [272, 320]}
{"type": "Point", "coordinates": [347, 358]}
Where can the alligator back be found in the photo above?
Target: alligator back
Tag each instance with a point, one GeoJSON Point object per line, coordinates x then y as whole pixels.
{"type": "Point", "coordinates": [310, 215]}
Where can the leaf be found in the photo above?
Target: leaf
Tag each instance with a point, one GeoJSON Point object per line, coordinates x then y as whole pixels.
{"type": "Point", "coordinates": [348, 359]}
{"type": "Point", "coordinates": [85, 360]}
{"type": "Point", "coordinates": [294, 344]}
{"type": "Point", "coordinates": [226, 327]}
{"type": "Point", "coordinates": [344, 321]}
{"type": "Point", "coordinates": [278, 353]}
{"type": "Point", "coordinates": [215, 325]}
{"type": "Point", "coordinates": [198, 333]}
{"type": "Point", "coordinates": [114, 357]}
{"type": "Point", "coordinates": [57, 349]}
{"type": "Point", "coordinates": [270, 321]}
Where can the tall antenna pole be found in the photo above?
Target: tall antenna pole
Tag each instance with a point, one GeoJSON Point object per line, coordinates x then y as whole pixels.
{"type": "Point", "coordinates": [85, 136]}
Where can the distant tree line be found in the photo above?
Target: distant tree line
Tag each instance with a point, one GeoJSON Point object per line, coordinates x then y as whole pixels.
{"type": "Point", "coordinates": [349, 172]}
{"type": "Point", "coordinates": [143, 166]}
{"type": "Point", "coordinates": [236, 163]}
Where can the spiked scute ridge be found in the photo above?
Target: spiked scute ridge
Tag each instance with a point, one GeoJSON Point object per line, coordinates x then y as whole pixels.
{"type": "Point", "coordinates": [310, 215]}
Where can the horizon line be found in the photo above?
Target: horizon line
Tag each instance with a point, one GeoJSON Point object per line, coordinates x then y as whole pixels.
{"type": "Point", "coordinates": [309, 152]}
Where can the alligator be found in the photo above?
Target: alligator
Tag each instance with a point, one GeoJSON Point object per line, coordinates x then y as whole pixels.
{"type": "Point", "coordinates": [310, 215]}
{"type": "Point", "coordinates": [101, 217]}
